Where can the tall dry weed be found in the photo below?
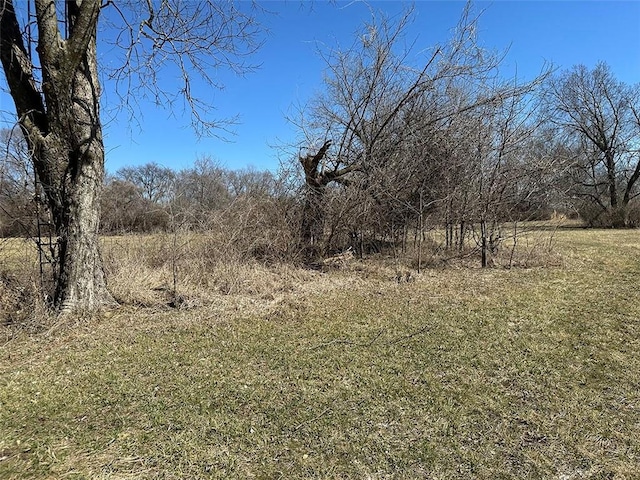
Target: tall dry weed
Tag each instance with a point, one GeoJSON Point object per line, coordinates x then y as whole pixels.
{"type": "Point", "coordinates": [186, 268]}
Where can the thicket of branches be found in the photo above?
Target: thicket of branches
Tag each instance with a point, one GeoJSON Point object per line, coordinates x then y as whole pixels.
{"type": "Point", "coordinates": [405, 141]}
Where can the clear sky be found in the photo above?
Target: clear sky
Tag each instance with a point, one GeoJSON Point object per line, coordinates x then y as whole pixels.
{"type": "Point", "coordinates": [534, 32]}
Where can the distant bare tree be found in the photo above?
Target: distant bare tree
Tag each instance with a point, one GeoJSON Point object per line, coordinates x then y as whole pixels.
{"type": "Point", "coordinates": [499, 135]}
{"type": "Point", "coordinates": [153, 181]}
{"type": "Point", "coordinates": [252, 182]}
{"type": "Point", "coordinates": [200, 190]}
{"type": "Point", "coordinates": [599, 115]}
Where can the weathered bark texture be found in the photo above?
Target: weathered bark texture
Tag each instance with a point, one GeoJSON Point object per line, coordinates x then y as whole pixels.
{"type": "Point", "coordinates": [61, 122]}
{"type": "Point", "coordinates": [312, 226]}
{"type": "Point", "coordinates": [313, 214]}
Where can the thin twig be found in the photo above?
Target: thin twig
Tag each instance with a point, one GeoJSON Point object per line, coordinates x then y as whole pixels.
{"type": "Point", "coordinates": [423, 329]}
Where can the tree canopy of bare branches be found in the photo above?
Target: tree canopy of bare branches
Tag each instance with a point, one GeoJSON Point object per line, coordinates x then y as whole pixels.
{"type": "Point", "coordinates": [599, 116]}
{"type": "Point", "coordinates": [387, 112]}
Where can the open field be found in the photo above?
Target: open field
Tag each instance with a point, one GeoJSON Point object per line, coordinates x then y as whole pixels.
{"type": "Point", "coordinates": [286, 373]}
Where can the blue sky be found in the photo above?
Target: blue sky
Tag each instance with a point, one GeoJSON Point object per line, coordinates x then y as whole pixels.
{"type": "Point", "coordinates": [534, 32]}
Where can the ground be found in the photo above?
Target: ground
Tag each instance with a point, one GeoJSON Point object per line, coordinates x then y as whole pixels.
{"type": "Point", "coordinates": [277, 372]}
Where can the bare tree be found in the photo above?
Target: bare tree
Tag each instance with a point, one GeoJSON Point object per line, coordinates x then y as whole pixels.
{"type": "Point", "coordinates": [382, 111]}
{"type": "Point", "coordinates": [57, 100]}
{"type": "Point", "coordinates": [252, 182]}
{"type": "Point", "coordinates": [154, 181]}
{"type": "Point", "coordinates": [599, 115]}
{"type": "Point", "coordinates": [126, 210]}
{"type": "Point", "coordinates": [200, 190]}
{"type": "Point", "coordinates": [499, 135]}
{"type": "Point", "coordinates": [367, 88]}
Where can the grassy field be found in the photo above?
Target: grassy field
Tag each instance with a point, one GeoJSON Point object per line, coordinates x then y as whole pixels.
{"type": "Point", "coordinates": [462, 373]}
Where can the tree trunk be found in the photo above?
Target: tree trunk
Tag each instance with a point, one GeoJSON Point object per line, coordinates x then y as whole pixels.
{"type": "Point", "coordinates": [312, 226]}
{"type": "Point", "coordinates": [611, 179]}
{"type": "Point", "coordinates": [619, 216]}
{"type": "Point", "coordinates": [61, 123]}
{"type": "Point", "coordinates": [81, 281]}
{"type": "Point", "coordinates": [421, 232]}
{"type": "Point", "coordinates": [483, 245]}
{"type": "Point", "coordinates": [79, 275]}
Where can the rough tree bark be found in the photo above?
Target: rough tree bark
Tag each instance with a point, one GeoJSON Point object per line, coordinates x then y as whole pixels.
{"type": "Point", "coordinates": [312, 224]}
{"type": "Point", "coordinates": [62, 126]}
{"type": "Point", "coordinates": [313, 212]}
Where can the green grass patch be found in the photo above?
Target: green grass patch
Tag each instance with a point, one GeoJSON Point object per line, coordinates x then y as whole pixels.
{"type": "Point", "coordinates": [464, 373]}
